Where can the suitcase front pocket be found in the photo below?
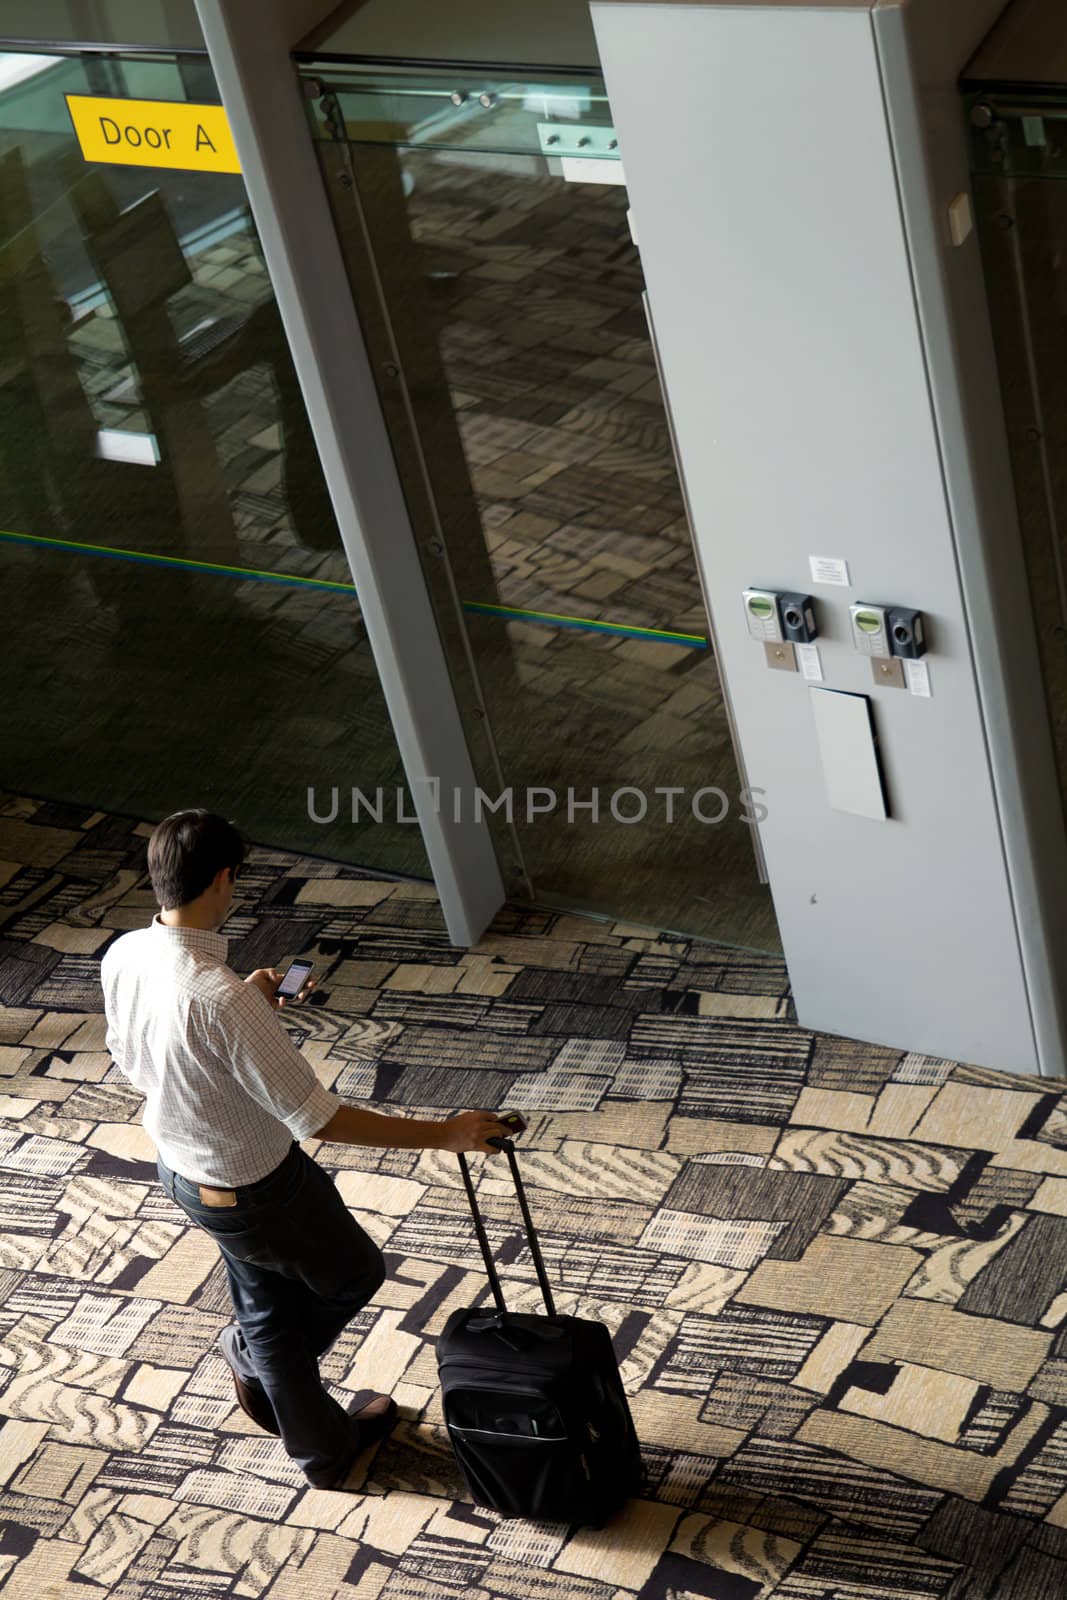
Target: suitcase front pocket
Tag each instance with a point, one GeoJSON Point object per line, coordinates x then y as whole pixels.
{"type": "Point", "coordinates": [515, 1453]}
{"type": "Point", "coordinates": [507, 1415]}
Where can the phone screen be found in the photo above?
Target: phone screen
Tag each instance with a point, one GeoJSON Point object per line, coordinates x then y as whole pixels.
{"type": "Point", "coordinates": [294, 980]}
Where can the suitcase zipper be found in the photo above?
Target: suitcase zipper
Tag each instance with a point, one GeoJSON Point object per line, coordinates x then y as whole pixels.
{"type": "Point", "coordinates": [495, 1433]}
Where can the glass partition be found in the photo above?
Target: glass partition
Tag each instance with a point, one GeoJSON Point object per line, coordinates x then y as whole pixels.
{"type": "Point", "coordinates": [1019, 159]}
{"type": "Point", "coordinates": [177, 609]}
{"type": "Point", "coordinates": [483, 217]}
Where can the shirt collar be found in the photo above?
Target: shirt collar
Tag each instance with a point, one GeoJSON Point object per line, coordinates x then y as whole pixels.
{"type": "Point", "coordinates": [203, 940]}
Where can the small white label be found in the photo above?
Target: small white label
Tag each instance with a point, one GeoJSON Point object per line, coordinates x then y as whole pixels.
{"type": "Point", "coordinates": [960, 220]}
{"type": "Point", "coordinates": [825, 569]}
{"type": "Point", "coordinates": [809, 663]}
{"type": "Point", "coordinates": [632, 225]}
{"type": "Point", "coordinates": [917, 677]}
{"type": "Point", "coordinates": [572, 105]}
{"type": "Point", "coordinates": [585, 169]}
{"type": "Point", "coordinates": [115, 444]}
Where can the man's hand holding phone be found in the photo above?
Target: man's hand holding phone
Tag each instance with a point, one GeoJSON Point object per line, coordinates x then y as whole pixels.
{"type": "Point", "coordinates": [284, 988]}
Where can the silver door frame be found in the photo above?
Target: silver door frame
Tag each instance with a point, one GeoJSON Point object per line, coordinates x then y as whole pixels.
{"type": "Point", "coordinates": [249, 47]}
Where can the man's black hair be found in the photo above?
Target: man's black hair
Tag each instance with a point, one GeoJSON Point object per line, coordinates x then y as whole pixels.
{"type": "Point", "coordinates": [187, 851]}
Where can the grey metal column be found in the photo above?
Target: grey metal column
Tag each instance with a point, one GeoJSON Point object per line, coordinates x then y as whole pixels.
{"type": "Point", "coordinates": [249, 49]}
{"type": "Point", "coordinates": [791, 165]}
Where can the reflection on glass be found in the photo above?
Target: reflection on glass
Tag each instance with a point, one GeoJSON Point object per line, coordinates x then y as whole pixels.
{"type": "Point", "coordinates": [502, 303]}
{"type": "Point", "coordinates": [178, 609]}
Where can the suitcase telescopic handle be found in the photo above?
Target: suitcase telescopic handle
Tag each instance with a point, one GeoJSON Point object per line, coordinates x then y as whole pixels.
{"type": "Point", "coordinates": [531, 1233]}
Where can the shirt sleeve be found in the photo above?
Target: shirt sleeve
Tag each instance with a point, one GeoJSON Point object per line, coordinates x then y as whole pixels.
{"type": "Point", "coordinates": [268, 1066]}
{"type": "Point", "coordinates": [113, 1041]}
{"type": "Point", "coordinates": [113, 1044]}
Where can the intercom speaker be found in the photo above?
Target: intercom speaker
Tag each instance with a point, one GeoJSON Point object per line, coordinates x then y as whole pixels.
{"type": "Point", "coordinates": [798, 618]}
{"type": "Point", "coordinates": [907, 634]}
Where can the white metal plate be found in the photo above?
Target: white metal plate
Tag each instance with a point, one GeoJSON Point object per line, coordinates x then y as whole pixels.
{"type": "Point", "coordinates": [845, 736]}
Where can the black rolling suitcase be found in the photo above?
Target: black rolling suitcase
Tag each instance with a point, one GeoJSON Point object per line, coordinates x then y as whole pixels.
{"type": "Point", "coordinates": [534, 1405]}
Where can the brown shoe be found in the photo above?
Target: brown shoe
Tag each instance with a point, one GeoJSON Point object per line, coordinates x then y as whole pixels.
{"type": "Point", "coordinates": [373, 1424]}
{"type": "Point", "coordinates": [252, 1401]}
{"type": "Point", "coordinates": [370, 1429]}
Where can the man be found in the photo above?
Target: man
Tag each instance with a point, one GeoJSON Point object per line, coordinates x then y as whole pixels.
{"type": "Point", "coordinates": [228, 1097]}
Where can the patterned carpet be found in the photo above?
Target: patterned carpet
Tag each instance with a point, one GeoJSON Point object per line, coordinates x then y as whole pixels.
{"type": "Point", "coordinates": [834, 1273]}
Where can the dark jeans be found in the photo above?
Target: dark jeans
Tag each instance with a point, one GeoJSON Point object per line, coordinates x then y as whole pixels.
{"type": "Point", "coordinates": [299, 1267]}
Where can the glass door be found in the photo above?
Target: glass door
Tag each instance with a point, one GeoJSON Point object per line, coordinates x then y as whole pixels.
{"type": "Point", "coordinates": [178, 615]}
{"type": "Point", "coordinates": [1019, 163]}
{"type": "Point", "coordinates": [484, 224]}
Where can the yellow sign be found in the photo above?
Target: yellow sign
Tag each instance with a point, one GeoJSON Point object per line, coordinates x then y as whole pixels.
{"type": "Point", "coordinates": [153, 133]}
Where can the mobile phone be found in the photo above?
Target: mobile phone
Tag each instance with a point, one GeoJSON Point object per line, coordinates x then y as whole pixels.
{"type": "Point", "coordinates": [294, 980]}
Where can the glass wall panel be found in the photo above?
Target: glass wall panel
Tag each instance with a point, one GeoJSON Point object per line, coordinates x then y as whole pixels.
{"type": "Point", "coordinates": [1019, 150]}
{"type": "Point", "coordinates": [484, 223]}
{"type": "Point", "coordinates": [179, 619]}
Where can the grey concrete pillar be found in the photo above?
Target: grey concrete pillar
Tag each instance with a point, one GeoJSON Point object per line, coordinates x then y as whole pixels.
{"type": "Point", "coordinates": [827, 356]}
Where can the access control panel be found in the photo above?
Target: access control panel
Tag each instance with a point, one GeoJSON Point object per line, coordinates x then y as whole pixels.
{"type": "Point", "coordinates": [870, 630]}
{"type": "Point", "coordinates": [763, 614]}
{"type": "Point", "coordinates": [894, 637]}
{"type": "Point", "coordinates": [783, 620]}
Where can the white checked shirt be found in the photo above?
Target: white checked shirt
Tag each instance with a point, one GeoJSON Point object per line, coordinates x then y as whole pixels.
{"type": "Point", "coordinates": [226, 1090]}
